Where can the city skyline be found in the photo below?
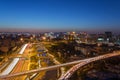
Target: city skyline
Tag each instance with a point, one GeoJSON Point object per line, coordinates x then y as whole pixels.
{"type": "Point", "coordinates": [59, 15]}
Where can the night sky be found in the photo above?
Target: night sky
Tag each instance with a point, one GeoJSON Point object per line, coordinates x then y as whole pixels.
{"type": "Point", "coordinates": [59, 15]}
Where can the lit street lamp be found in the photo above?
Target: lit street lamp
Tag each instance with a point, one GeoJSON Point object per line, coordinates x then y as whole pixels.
{"type": "Point", "coordinates": [21, 39]}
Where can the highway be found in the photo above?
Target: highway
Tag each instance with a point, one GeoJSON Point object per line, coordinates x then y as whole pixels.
{"type": "Point", "coordinates": [68, 73]}
{"type": "Point", "coordinates": [14, 62]}
{"type": "Point", "coordinates": [22, 65]}
{"type": "Point", "coordinates": [87, 61]}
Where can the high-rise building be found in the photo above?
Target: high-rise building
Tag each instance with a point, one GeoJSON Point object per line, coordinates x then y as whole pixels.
{"type": "Point", "coordinates": [108, 36]}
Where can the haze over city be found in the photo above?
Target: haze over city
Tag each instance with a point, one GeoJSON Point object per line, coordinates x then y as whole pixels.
{"type": "Point", "coordinates": [59, 15]}
{"type": "Point", "coordinates": [59, 40]}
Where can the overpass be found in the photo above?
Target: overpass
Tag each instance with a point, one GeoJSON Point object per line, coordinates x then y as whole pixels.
{"type": "Point", "coordinates": [68, 74]}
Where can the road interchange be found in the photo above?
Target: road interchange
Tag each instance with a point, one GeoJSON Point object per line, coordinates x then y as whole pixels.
{"type": "Point", "coordinates": [79, 63]}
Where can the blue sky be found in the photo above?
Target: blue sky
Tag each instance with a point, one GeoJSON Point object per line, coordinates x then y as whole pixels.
{"type": "Point", "coordinates": [60, 14]}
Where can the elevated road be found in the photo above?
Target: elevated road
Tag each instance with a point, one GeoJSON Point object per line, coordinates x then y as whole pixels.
{"type": "Point", "coordinates": [69, 73]}
{"type": "Point", "coordinates": [87, 61]}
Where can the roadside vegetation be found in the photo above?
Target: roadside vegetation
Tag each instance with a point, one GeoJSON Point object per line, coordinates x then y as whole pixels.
{"type": "Point", "coordinates": [61, 50]}
{"type": "Point", "coordinates": [33, 58]}
{"type": "Point", "coordinates": [66, 51]}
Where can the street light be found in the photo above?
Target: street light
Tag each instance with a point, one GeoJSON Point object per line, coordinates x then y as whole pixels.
{"type": "Point", "coordinates": [31, 38]}
{"type": "Point", "coordinates": [44, 38]}
{"type": "Point", "coordinates": [73, 32]}
{"type": "Point", "coordinates": [21, 39]}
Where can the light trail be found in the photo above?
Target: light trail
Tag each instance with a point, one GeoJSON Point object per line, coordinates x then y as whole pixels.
{"type": "Point", "coordinates": [67, 75]}
{"type": "Point", "coordinates": [14, 62]}
{"type": "Point", "coordinates": [87, 61]}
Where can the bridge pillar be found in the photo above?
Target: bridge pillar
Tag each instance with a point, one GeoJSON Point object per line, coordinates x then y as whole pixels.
{"type": "Point", "coordinates": [28, 77]}
{"type": "Point", "coordinates": [58, 72]}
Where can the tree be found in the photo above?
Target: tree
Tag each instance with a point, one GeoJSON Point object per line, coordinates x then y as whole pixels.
{"type": "Point", "coordinates": [4, 49]}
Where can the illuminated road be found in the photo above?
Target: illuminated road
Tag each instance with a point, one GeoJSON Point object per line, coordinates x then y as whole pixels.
{"type": "Point", "coordinates": [13, 63]}
{"type": "Point", "coordinates": [21, 66]}
{"type": "Point", "coordinates": [87, 61]}
{"type": "Point", "coordinates": [70, 72]}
